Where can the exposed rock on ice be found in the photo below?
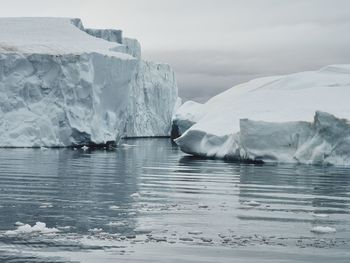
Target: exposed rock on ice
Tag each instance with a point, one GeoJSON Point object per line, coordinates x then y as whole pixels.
{"type": "Point", "coordinates": [301, 117]}
{"type": "Point", "coordinates": [62, 84]}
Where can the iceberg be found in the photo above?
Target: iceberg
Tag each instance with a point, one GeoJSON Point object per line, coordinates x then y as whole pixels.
{"type": "Point", "coordinates": [296, 118]}
{"type": "Point", "coordinates": [62, 85]}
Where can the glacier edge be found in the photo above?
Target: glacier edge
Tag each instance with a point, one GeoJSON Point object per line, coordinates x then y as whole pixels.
{"type": "Point", "coordinates": [55, 95]}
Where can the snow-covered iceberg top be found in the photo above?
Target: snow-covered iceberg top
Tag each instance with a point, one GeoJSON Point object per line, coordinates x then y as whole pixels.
{"type": "Point", "coordinates": [62, 84]}
{"type": "Point", "coordinates": [55, 36]}
{"type": "Point", "coordinates": [300, 117]}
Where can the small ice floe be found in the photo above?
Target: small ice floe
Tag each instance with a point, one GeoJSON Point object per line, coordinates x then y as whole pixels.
{"type": "Point", "coordinates": [251, 203]}
{"type": "Point", "coordinates": [323, 230]}
{"type": "Point", "coordinates": [19, 223]}
{"type": "Point", "coordinates": [64, 227]}
{"type": "Point", "coordinates": [135, 195]}
{"type": "Point", "coordinates": [43, 148]}
{"type": "Point", "coordinates": [320, 215]}
{"type": "Point", "coordinates": [85, 148]}
{"type": "Point", "coordinates": [114, 207]}
{"type": "Point", "coordinates": [125, 145]}
{"type": "Point", "coordinates": [116, 224]}
{"type": "Point", "coordinates": [95, 230]}
{"type": "Point", "coordinates": [39, 227]}
{"type": "Point", "coordinates": [195, 232]}
{"type": "Point", "coordinates": [45, 205]}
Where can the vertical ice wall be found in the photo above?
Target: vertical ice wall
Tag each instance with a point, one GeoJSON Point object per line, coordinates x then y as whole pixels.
{"type": "Point", "coordinates": [60, 86]}
{"type": "Point", "coordinates": [153, 90]}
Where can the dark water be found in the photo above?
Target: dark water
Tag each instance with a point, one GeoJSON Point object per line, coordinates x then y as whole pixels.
{"type": "Point", "coordinates": [148, 202]}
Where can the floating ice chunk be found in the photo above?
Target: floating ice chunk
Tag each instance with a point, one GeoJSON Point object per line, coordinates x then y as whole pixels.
{"type": "Point", "coordinates": [320, 215]}
{"type": "Point", "coordinates": [43, 148]}
{"type": "Point", "coordinates": [114, 207]}
{"type": "Point", "coordinates": [125, 145]}
{"type": "Point", "coordinates": [135, 195]}
{"type": "Point", "coordinates": [251, 203]}
{"type": "Point", "coordinates": [64, 227]}
{"type": "Point", "coordinates": [116, 224]}
{"type": "Point", "coordinates": [45, 205]}
{"type": "Point", "coordinates": [19, 223]}
{"type": "Point", "coordinates": [95, 230]}
{"type": "Point", "coordinates": [39, 227]}
{"type": "Point", "coordinates": [85, 148]}
{"type": "Point", "coordinates": [323, 230]}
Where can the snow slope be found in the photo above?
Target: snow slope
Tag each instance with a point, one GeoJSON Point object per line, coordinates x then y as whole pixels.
{"type": "Point", "coordinates": [62, 84]}
{"type": "Point", "coordinates": [294, 118]}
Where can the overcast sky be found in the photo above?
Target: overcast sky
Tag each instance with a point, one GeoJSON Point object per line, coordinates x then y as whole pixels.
{"type": "Point", "coordinates": [215, 44]}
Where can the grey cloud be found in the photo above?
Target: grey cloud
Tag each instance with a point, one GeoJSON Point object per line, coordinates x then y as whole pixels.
{"type": "Point", "coordinates": [213, 44]}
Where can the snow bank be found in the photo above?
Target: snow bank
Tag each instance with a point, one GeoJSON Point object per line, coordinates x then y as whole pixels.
{"type": "Point", "coordinates": [300, 118]}
{"type": "Point", "coordinates": [61, 85]}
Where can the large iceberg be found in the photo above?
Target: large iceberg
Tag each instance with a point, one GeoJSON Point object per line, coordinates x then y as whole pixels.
{"type": "Point", "coordinates": [62, 85]}
{"type": "Point", "coordinates": [296, 118]}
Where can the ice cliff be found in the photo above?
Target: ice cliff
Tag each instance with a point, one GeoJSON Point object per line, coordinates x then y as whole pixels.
{"type": "Point", "coordinates": [296, 118]}
{"type": "Point", "coordinates": [62, 84]}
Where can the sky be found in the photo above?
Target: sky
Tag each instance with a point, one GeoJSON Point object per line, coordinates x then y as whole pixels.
{"type": "Point", "coordinates": [215, 44]}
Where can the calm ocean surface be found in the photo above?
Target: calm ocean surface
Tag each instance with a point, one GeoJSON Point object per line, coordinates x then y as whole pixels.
{"type": "Point", "coordinates": [149, 202]}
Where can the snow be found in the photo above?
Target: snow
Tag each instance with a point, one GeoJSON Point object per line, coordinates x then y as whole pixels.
{"type": "Point", "coordinates": [54, 36]}
{"type": "Point", "coordinates": [39, 227]}
{"type": "Point", "coordinates": [62, 85]}
{"type": "Point", "coordinates": [296, 118]}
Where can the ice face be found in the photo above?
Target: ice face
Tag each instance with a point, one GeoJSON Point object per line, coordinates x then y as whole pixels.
{"type": "Point", "coordinates": [61, 86]}
{"type": "Point", "coordinates": [295, 118]}
{"type": "Point", "coordinates": [186, 116]}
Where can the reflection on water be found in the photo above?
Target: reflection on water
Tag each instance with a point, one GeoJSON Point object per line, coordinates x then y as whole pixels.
{"type": "Point", "coordinates": [148, 202]}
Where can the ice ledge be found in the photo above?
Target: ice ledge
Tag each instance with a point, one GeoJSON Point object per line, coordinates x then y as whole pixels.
{"type": "Point", "coordinates": [324, 141]}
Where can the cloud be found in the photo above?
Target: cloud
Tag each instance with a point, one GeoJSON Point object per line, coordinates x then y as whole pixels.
{"type": "Point", "coordinates": [212, 44]}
